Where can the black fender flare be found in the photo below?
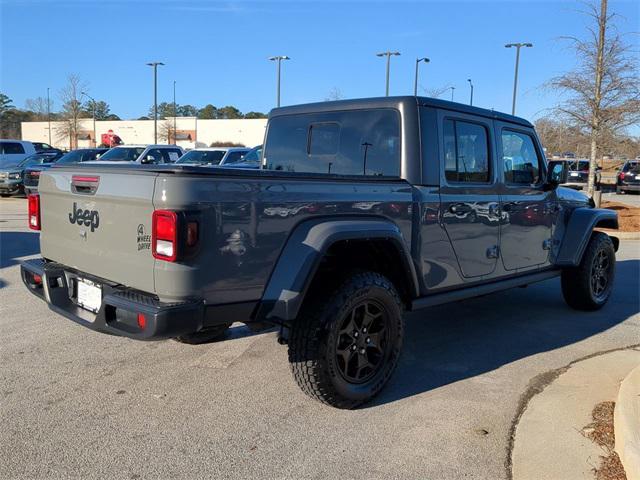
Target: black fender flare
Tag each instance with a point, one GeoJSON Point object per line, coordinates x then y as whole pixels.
{"type": "Point", "coordinates": [296, 266]}
{"type": "Point", "coordinates": [578, 232]}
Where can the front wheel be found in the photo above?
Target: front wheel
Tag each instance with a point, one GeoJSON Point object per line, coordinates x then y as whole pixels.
{"type": "Point", "coordinates": [588, 286]}
{"type": "Point", "coordinates": [344, 346]}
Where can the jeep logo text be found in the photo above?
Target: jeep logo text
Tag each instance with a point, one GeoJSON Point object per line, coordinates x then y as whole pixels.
{"type": "Point", "coordinates": [88, 218]}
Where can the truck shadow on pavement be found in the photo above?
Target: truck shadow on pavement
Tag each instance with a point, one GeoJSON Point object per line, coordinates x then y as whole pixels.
{"type": "Point", "coordinates": [445, 344]}
{"type": "Point", "coordinates": [14, 245]}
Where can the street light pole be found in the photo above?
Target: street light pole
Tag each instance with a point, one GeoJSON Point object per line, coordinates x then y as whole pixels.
{"type": "Point", "coordinates": [95, 140]}
{"type": "Point", "coordinates": [452, 90]}
{"type": "Point", "coordinates": [278, 59]}
{"type": "Point", "coordinates": [388, 55]}
{"type": "Point", "coordinates": [515, 77]}
{"type": "Point", "coordinates": [415, 83]}
{"type": "Point", "coordinates": [175, 113]}
{"type": "Point", "coordinates": [471, 85]}
{"type": "Point", "coordinates": [49, 114]}
{"type": "Point", "coordinates": [155, 99]}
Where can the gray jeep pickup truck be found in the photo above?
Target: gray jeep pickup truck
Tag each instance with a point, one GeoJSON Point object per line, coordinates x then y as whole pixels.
{"type": "Point", "coordinates": [362, 209]}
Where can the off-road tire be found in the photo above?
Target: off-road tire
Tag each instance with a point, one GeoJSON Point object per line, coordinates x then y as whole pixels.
{"type": "Point", "coordinates": [578, 282]}
{"type": "Point", "coordinates": [315, 336]}
{"type": "Point", "coordinates": [204, 336]}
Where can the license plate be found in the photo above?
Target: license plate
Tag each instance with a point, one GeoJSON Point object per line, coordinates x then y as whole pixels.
{"type": "Point", "coordinates": [575, 174]}
{"type": "Point", "coordinates": [89, 295]}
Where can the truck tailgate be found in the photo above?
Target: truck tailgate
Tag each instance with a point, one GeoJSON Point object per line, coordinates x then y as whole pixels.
{"type": "Point", "coordinates": [101, 224]}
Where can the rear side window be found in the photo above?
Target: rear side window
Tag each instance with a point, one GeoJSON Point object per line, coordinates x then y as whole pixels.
{"type": "Point", "coordinates": [12, 148]}
{"type": "Point", "coordinates": [521, 162]}
{"type": "Point", "coordinates": [466, 152]}
{"type": "Point", "coordinates": [235, 156]}
{"type": "Point", "coordinates": [356, 142]}
{"type": "Point", "coordinates": [172, 155]}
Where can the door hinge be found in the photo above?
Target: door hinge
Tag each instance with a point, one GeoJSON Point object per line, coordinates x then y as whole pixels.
{"type": "Point", "coordinates": [493, 252]}
{"type": "Point", "coordinates": [546, 245]}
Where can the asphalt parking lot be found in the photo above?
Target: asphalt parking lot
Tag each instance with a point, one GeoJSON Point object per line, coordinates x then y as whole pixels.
{"type": "Point", "coordinates": [632, 199]}
{"type": "Point", "coordinates": [75, 403]}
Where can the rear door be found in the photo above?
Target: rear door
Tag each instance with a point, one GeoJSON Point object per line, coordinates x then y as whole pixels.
{"type": "Point", "coordinates": [528, 210]}
{"type": "Point", "coordinates": [98, 221]}
{"type": "Point", "coordinates": [469, 201]}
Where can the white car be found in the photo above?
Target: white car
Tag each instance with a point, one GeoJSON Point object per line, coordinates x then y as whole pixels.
{"type": "Point", "coordinates": [214, 156]}
{"type": "Point", "coordinates": [142, 154]}
{"type": "Point", "coordinates": [13, 152]}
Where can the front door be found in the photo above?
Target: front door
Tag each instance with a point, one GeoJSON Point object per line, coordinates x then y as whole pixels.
{"type": "Point", "coordinates": [527, 209]}
{"type": "Point", "coordinates": [469, 201]}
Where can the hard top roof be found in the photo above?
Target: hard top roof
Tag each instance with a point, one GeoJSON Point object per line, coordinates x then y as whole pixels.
{"type": "Point", "coordinates": [396, 102]}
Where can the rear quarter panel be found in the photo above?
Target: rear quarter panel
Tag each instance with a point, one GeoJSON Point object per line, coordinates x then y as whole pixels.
{"type": "Point", "coordinates": [245, 222]}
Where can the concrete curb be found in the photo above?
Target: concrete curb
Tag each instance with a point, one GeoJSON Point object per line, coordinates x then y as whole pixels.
{"type": "Point", "coordinates": [627, 424]}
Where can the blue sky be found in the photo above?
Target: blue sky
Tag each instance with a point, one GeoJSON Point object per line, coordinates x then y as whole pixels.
{"type": "Point", "coordinates": [217, 50]}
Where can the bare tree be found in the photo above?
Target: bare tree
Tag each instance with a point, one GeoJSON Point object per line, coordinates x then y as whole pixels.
{"type": "Point", "coordinates": [72, 110]}
{"type": "Point", "coordinates": [334, 94]}
{"type": "Point", "coordinates": [603, 91]}
{"type": "Point", "coordinates": [435, 92]}
{"type": "Point", "coordinates": [166, 132]}
{"type": "Point", "coordinates": [39, 108]}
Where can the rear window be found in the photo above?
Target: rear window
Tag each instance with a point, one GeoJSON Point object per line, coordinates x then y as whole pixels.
{"type": "Point", "coordinates": [580, 166]}
{"type": "Point", "coordinates": [357, 142]}
{"type": "Point", "coordinates": [633, 167]}
{"type": "Point", "coordinates": [10, 148]}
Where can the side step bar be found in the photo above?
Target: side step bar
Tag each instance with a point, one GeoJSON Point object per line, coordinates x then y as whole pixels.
{"type": "Point", "coordinates": [483, 289]}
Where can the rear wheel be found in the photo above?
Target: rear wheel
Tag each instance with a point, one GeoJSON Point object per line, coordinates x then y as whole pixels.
{"type": "Point", "coordinates": [588, 286]}
{"type": "Point", "coordinates": [345, 345]}
{"type": "Point", "coordinates": [204, 336]}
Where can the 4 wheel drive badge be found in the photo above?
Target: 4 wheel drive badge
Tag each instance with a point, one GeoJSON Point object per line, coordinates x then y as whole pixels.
{"type": "Point", "coordinates": [143, 240]}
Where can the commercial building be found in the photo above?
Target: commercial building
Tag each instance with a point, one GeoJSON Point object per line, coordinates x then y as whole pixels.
{"type": "Point", "coordinates": [189, 132]}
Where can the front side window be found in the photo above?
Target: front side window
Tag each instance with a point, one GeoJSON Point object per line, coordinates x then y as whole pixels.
{"type": "Point", "coordinates": [356, 142]}
{"type": "Point", "coordinates": [466, 152]}
{"type": "Point", "coordinates": [234, 156]}
{"type": "Point", "coordinates": [521, 162]}
{"type": "Point", "coordinates": [11, 148]}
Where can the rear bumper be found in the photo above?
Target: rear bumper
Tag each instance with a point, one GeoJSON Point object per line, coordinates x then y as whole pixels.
{"type": "Point", "coordinates": [118, 314]}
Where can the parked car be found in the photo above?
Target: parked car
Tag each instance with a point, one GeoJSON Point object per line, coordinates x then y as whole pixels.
{"type": "Point", "coordinates": [142, 154]}
{"type": "Point", "coordinates": [213, 156]}
{"type": "Point", "coordinates": [573, 173]}
{"type": "Point", "coordinates": [44, 147]}
{"type": "Point", "coordinates": [32, 174]}
{"type": "Point", "coordinates": [252, 159]}
{"type": "Point", "coordinates": [12, 178]}
{"type": "Point", "coordinates": [628, 178]}
{"type": "Point", "coordinates": [182, 251]}
{"type": "Point", "coordinates": [13, 152]}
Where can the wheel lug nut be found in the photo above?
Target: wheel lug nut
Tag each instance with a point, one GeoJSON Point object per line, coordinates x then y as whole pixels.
{"type": "Point", "coordinates": [355, 334]}
{"type": "Point", "coordinates": [368, 340]}
{"type": "Point", "coordinates": [364, 330]}
{"type": "Point", "coordinates": [353, 347]}
{"type": "Point", "coordinates": [362, 351]}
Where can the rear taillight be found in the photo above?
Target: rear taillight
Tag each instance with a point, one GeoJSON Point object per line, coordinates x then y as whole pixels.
{"type": "Point", "coordinates": [34, 212]}
{"type": "Point", "coordinates": [621, 176]}
{"type": "Point", "coordinates": [164, 235]}
{"type": "Point", "coordinates": [35, 174]}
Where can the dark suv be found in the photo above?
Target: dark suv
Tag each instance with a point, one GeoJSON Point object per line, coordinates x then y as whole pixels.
{"type": "Point", "coordinates": [628, 178]}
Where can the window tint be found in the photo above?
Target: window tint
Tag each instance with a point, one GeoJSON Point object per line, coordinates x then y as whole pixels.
{"type": "Point", "coordinates": [324, 138]}
{"type": "Point", "coordinates": [521, 162]}
{"type": "Point", "coordinates": [466, 152]}
{"type": "Point", "coordinates": [203, 157]}
{"type": "Point", "coordinates": [357, 142]}
{"type": "Point", "coordinates": [12, 148]}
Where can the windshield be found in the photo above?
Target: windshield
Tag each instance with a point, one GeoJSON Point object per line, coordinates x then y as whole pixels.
{"type": "Point", "coordinates": [123, 154]}
{"type": "Point", "coordinates": [79, 156]}
{"type": "Point", "coordinates": [253, 156]}
{"type": "Point", "coordinates": [35, 160]}
{"type": "Point", "coordinates": [582, 166]}
{"type": "Point", "coordinates": [203, 157]}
